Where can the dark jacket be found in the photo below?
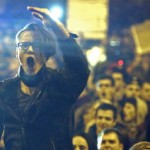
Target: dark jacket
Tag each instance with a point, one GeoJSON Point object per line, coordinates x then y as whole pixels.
{"type": "Point", "coordinates": [120, 127]}
{"type": "Point", "coordinates": [43, 124]}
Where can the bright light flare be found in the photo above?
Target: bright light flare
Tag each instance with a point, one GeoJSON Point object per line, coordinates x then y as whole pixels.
{"type": "Point", "coordinates": [96, 54]}
{"type": "Point", "coordinates": [56, 12]}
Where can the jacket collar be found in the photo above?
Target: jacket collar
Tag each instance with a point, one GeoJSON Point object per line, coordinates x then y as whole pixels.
{"type": "Point", "coordinates": [32, 81]}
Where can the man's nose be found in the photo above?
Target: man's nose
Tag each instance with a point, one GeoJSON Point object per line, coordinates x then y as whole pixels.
{"type": "Point", "coordinates": [30, 49]}
{"type": "Point", "coordinates": [107, 144]}
{"type": "Point", "coordinates": [103, 120]}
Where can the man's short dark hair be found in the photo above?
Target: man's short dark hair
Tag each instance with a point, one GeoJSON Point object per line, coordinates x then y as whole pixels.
{"type": "Point", "coordinates": [134, 80]}
{"type": "Point", "coordinates": [106, 106]}
{"type": "Point", "coordinates": [103, 77]}
{"type": "Point", "coordinates": [113, 130]}
{"type": "Point", "coordinates": [120, 71]}
{"type": "Point", "coordinates": [130, 100]}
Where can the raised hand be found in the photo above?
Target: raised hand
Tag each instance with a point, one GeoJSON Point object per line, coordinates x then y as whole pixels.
{"type": "Point", "coordinates": [45, 16]}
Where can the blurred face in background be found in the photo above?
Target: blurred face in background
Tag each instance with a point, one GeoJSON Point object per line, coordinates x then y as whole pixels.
{"type": "Point", "coordinates": [104, 119]}
{"type": "Point", "coordinates": [145, 91]}
{"type": "Point", "coordinates": [119, 81]}
{"type": "Point", "coordinates": [89, 116]}
{"type": "Point", "coordinates": [111, 141]}
{"type": "Point", "coordinates": [79, 143]}
{"type": "Point", "coordinates": [132, 90]}
{"type": "Point", "coordinates": [105, 89]}
{"type": "Point", "coordinates": [129, 112]}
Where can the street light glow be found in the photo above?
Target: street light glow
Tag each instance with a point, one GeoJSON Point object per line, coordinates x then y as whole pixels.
{"type": "Point", "coordinates": [56, 12]}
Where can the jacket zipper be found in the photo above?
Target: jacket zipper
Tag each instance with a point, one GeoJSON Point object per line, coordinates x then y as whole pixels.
{"type": "Point", "coordinates": [53, 145]}
{"type": "Point", "coordinates": [22, 127]}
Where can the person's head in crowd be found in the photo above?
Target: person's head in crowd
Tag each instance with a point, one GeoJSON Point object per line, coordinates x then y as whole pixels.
{"type": "Point", "coordinates": [85, 116]}
{"type": "Point", "coordinates": [119, 75]}
{"type": "Point", "coordinates": [83, 141]}
{"type": "Point", "coordinates": [105, 87]}
{"type": "Point", "coordinates": [133, 87]}
{"type": "Point", "coordinates": [89, 115]}
{"type": "Point", "coordinates": [34, 46]}
{"type": "Point", "coordinates": [145, 91]}
{"type": "Point", "coordinates": [82, 117]}
{"type": "Point", "coordinates": [129, 110]}
{"type": "Point", "coordinates": [143, 145]}
{"type": "Point", "coordinates": [105, 117]}
{"type": "Point", "coordinates": [110, 139]}
{"type": "Point", "coordinates": [90, 112]}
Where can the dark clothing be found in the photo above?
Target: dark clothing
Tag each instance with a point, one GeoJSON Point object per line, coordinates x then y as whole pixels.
{"type": "Point", "coordinates": [120, 127]}
{"type": "Point", "coordinates": [92, 132]}
{"type": "Point", "coordinates": [40, 121]}
{"type": "Point", "coordinates": [148, 123]}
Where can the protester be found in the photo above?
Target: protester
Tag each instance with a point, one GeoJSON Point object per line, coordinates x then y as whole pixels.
{"type": "Point", "coordinates": [35, 104]}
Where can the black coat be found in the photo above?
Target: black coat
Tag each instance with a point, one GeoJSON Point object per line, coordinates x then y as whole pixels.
{"type": "Point", "coordinates": [43, 125]}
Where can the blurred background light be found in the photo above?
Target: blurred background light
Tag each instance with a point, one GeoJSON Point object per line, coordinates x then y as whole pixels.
{"type": "Point", "coordinates": [95, 54]}
{"type": "Point", "coordinates": [120, 62]}
{"type": "Point", "coordinates": [56, 12]}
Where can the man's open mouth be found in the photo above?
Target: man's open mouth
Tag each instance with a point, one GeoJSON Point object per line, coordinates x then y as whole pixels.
{"type": "Point", "coordinates": [30, 62]}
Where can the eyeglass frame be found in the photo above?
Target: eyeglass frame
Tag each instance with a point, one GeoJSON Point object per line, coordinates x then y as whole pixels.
{"type": "Point", "coordinates": [26, 47]}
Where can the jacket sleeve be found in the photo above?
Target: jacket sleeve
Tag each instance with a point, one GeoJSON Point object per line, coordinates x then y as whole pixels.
{"type": "Point", "coordinates": [76, 66]}
{"type": "Point", "coordinates": [1, 116]}
{"type": "Point", "coordinates": [1, 126]}
{"type": "Point", "coordinates": [1, 120]}
{"type": "Point", "coordinates": [66, 85]}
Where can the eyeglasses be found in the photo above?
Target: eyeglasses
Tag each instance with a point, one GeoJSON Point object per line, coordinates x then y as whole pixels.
{"type": "Point", "coordinates": [25, 45]}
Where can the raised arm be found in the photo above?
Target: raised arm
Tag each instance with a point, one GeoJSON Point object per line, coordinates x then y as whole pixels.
{"type": "Point", "coordinates": [75, 61]}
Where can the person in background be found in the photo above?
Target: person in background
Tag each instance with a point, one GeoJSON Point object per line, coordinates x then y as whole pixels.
{"type": "Point", "coordinates": [133, 87]}
{"type": "Point", "coordinates": [133, 90]}
{"type": "Point", "coordinates": [35, 104]}
{"type": "Point", "coordinates": [145, 95]}
{"type": "Point", "coordinates": [110, 139]}
{"type": "Point", "coordinates": [106, 117]}
{"type": "Point", "coordinates": [83, 141]}
{"type": "Point", "coordinates": [145, 92]}
{"type": "Point", "coordinates": [136, 130]}
{"type": "Point", "coordinates": [105, 87]}
{"type": "Point", "coordinates": [119, 75]}
{"type": "Point", "coordinates": [143, 145]}
{"type": "Point", "coordinates": [86, 117]}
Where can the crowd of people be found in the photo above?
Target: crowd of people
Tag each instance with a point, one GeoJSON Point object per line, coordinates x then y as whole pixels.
{"type": "Point", "coordinates": [115, 105]}
{"type": "Point", "coordinates": [111, 113]}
